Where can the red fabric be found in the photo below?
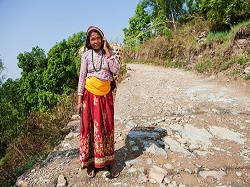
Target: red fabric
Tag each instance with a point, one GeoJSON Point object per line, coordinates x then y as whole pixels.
{"type": "Point", "coordinates": [97, 130]}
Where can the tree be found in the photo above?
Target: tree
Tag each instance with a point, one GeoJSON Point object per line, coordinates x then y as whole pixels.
{"type": "Point", "coordinates": [172, 11]}
{"type": "Point", "coordinates": [12, 113]}
{"type": "Point", "coordinates": [1, 70]}
{"type": "Point", "coordinates": [152, 17]}
{"type": "Point", "coordinates": [61, 74]}
{"type": "Point", "coordinates": [138, 26]}
{"type": "Point", "coordinates": [157, 11]}
{"type": "Point", "coordinates": [33, 65]}
{"type": "Point", "coordinates": [223, 14]}
{"type": "Point", "coordinates": [44, 79]}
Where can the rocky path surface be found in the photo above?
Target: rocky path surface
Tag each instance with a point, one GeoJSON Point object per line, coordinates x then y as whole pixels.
{"type": "Point", "coordinates": [173, 128]}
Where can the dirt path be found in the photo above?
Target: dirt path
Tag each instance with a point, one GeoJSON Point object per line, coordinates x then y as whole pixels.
{"type": "Point", "coordinates": [173, 128]}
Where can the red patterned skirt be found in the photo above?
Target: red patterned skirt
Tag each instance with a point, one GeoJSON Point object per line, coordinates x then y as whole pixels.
{"type": "Point", "coordinates": [97, 130]}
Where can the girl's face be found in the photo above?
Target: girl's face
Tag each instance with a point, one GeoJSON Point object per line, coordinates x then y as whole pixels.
{"type": "Point", "coordinates": [95, 41]}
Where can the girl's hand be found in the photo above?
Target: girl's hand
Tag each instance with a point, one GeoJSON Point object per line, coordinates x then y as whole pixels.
{"type": "Point", "coordinates": [79, 106]}
{"type": "Point", "coordinates": [105, 44]}
{"type": "Point", "coordinates": [79, 109]}
{"type": "Point", "coordinates": [106, 47]}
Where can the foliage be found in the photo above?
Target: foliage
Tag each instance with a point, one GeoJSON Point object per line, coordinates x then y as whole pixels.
{"type": "Point", "coordinates": [234, 72]}
{"type": "Point", "coordinates": [1, 70]}
{"type": "Point", "coordinates": [242, 60]}
{"type": "Point", "coordinates": [33, 65]}
{"type": "Point", "coordinates": [219, 36]}
{"type": "Point", "coordinates": [160, 17]}
{"type": "Point", "coordinates": [43, 81]}
{"type": "Point", "coordinates": [45, 78]}
{"type": "Point", "coordinates": [12, 113]}
{"type": "Point", "coordinates": [34, 108]}
{"type": "Point", "coordinates": [204, 66]}
{"type": "Point", "coordinates": [247, 77]}
{"type": "Point", "coordinates": [192, 6]}
{"type": "Point", "coordinates": [43, 131]}
{"type": "Point", "coordinates": [152, 18]}
{"type": "Point", "coordinates": [61, 74]}
{"type": "Point", "coordinates": [138, 27]}
{"type": "Point", "coordinates": [224, 14]}
{"type": "Point", "coordinates": [193, 47]}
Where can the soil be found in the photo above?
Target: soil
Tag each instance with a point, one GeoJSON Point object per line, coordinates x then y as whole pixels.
{"type": "Point", "coordinates": [173, 128]}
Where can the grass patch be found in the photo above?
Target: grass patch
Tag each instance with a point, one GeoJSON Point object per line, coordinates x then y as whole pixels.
{"type": "Point", "coordinates": [242, 60]}
{"type": "Point", "coordinates": [247, 77]}
{"type": "Point", "coordinates": [219, 36]}
{"type": "Point", "coordinates": [176, 64]}
{"type": "Point", "coordinates": [234, 72]}
{"type": "Point", "coordinates": [205, 66]}
{"type": "Point", "coordinates": [225, 65]}
{"type": "Point", "coordinates": [31, 161]}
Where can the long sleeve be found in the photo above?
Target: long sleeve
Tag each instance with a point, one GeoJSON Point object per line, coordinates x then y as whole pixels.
{"type": "Point", "coordinates": [82, 76]}
{"type": "Point", "coordinates": [114, 64]}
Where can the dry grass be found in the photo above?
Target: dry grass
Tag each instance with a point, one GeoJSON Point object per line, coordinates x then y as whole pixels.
{"type": "Point", "coordinates": [193, 47]}
{"type": "Point", "coordinates": [43, 132]}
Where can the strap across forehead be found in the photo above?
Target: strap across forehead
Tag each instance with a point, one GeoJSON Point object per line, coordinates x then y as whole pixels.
{"type": "Point", "coordinates": [96, 29]}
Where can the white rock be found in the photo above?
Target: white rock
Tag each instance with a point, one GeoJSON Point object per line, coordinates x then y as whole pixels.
{"type": "Point", "coordinates": [169, 166]}
{"type": "Point", "coordinates": [215, 174]}
{"type": "Point", "coordinates": [61, 181]}
{"type": "Point", "coordinates": [238, 173]}
{"type": "Point", "coordinates": [142, 178]}
{"type": "Point", "coordinates": [156, 175]}
{"type": "Point", "coordinates": [163, 171]}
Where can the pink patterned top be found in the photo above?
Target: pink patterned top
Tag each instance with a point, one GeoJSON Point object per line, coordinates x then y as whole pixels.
{"type": "Point", "coordinates": [89, 69]}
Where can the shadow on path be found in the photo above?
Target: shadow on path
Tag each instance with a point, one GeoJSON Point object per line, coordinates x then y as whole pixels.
{"type": "Point", "coordinates": [137, 141]}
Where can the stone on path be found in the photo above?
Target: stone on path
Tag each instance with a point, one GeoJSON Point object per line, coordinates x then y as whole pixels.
{"type": "Point", "coordinates": [61, 181]}
{"type": "Point", "coordinates": [227, 134]}
{"type": "Point", "coordinates": [156, 175]}
{"type": "Point", "coordinates": [215, 174]}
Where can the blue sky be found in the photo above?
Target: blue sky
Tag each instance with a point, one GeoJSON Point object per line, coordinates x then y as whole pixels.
{"type": "Point", "coordinates": [29, 23]}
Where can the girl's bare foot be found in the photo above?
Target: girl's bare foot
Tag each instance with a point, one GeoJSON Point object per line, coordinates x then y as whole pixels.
{"type": "Point", "coordinates": [114, 171]}
{"type": "Point", "coordinates": [91, 172]}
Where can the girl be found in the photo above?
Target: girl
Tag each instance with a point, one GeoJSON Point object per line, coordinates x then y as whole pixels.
{"type": "Point", "coordinates": [96, 105]}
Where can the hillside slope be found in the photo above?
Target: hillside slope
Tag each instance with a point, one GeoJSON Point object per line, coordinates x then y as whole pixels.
{"type": "Point", "coordinates": [192, 46]}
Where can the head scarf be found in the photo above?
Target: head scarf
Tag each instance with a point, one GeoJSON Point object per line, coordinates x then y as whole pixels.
{"type": "Point", "coordinates": [95, 28]}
